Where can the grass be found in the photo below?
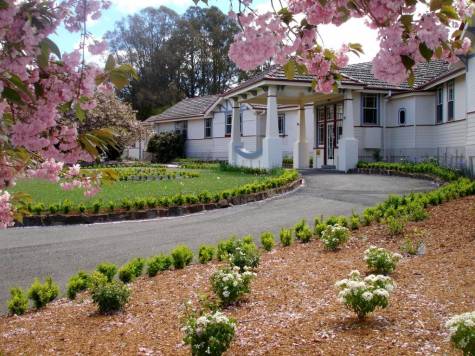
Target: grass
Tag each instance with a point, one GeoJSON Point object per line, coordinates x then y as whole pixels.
{"type": "Point", "coordinates": [211, 180]}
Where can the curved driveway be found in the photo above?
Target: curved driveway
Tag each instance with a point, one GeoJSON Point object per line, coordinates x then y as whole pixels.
{"type": "Point", "coordinates": [26, 253]}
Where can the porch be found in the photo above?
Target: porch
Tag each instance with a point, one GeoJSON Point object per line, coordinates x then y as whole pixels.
{"type": "Point", "coordinates": [333, 144]}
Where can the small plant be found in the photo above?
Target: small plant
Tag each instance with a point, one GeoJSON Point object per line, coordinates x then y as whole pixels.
{"type": "Point", "coordinates": [182, 256]}
{"type": "Point", "coordinates": [42, 294]}
{"type": "Point", "coordinates": [286, 237]}
{"type": "Point", "coordinates": [77, 283]}
{"type": "Point", "coordinates": [158, 264]}
{"type": "Point", "coordinates": [18, 303]}
{"type": "Point", "coordinates": [396, 225]}
{"type": "Point", "coordinates": [229, 284]}
{"type": "Point", "coordinates": [245, 255]}
{"type": "Point", "coordinates": [111, 206]}
{"type": "Point", "coordinates": [380, 260]}
{"type": "Point", "coordinates": [96, 207]}
{"type": "Point", "coordinates": [303, 232]}
{"type": "Point", "coordinates": [248, 239]}
{"type": "Point", "coordinates": [363, 296]}
{"type": "Point", "coordinates": [206, 253]}
{"type": "Point", "coordinates": [227, 247]}
{"type": "Point", "coordinates": [334, 236]}
{"type": "Point", "coordinates": [110, 296]}
{"type": "Point", "coordinates": [354, 222]}
{"type": "Point", "coordinates": [209, 334]}
{"type": "Point", "coordinates": [268, 240]}
{"type": "Point", "coordinates": [107, 269]}
{"type": "Point", "coordinates": [82, 208]}
{"type": "Point", "coordinates": [131, 270]}
{"type": "Point", "coordinates": [462, 332]}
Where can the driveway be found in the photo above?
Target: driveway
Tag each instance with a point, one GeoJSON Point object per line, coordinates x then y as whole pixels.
{"type": "Point", "coordinates": [26, 253]}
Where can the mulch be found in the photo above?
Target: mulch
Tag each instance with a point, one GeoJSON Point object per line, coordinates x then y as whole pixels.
{"type": "Point", "coordinates": [292, 309]}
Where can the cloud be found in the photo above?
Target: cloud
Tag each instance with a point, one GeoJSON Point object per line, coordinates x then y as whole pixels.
{"type": "Point", "coordinates": [131, 6]}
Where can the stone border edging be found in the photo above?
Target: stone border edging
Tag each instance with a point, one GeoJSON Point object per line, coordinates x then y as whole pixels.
{"type": "Point", "coordinates": [392, 172]}
{"type": "Point", "coordinates": [62, 219]}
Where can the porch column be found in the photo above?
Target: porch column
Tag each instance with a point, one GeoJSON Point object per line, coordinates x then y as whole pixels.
{"type": "Point", "coordinates": [348, 145]}
{"type": "Point", "coordinates": [272, 145]}
{"type": "Point", "coordinates": [235, 142]}
{"type": "Point", "coordinates": [301, 159]}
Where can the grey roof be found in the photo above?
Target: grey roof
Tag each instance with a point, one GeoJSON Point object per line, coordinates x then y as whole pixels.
{"type": "Point", "coordinates": [187, 108]}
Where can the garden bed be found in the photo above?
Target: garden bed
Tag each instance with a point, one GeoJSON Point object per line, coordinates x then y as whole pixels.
{"type": "Point", "coordinates": [293, 306]}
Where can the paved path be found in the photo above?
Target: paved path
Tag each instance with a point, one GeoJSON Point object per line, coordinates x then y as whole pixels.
{"type": "Point", "coordinates": [61, 251]}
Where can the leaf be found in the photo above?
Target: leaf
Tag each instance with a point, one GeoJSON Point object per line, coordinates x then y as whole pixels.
{"type": "Point", "coordinates": [53, 48]}
{"type": "Point", "coordinates": [411, 79]}
{"type": "Point", "coordinates": [450, 12]}
{"type": "Point", "coordinates": [435, 5]}
{"type": "Point", "coordinates": [119, 78]}
{"type": "Point", "coordinates": [289, 69]}
{"type": "Point", "coordinates": [12, 95]}
{"type": "Point", "coordinates": [3, 5]}
{"type": "Point", "coordinates": [406, 21]}
{"type": "Point", "coordinates": [426, 52]}
{"type": "Point", "coordinates": [80, 113]}
{"type": "Point", "coordinates": [356, 47]}
{"type": "Point", "coordinates": [16, 81]}
{"type": "Point", "coordinates": [110, 64]}
{"type": "Point", "coordinates": [408, 62]}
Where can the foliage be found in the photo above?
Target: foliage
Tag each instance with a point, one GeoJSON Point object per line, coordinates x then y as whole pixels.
{"type": "Point", "coordinates": [18, 302]}
{"type": "Point", "coordinates": [230, 284]}
{"type": "Point", "coordinates": [110, 296]}
{"type": "Point", "coordinates": [363, 296]}
{"type": "Point", "coordinates": [209, 334]}
{"type": "Point", "coordinates": [268, 240]}
{"type": "Point", "coordinates": [77, 283]}
{"type": "Point", "coordinates": [158, 264]}
{"type": "Point", "coordinates": [166, 146]}
{"type": "Point", "coordinates": [302, 231]}
{"type": "Point", "coordinates": [286, 237]}
{"type": "Point", "coordinates": [42, 294]}
{"type": "Point", "coordinates": [395, 225]}
{"type": "Point", "coordinates": [334, 236]}
{"type": "Point", "coordinates": [131, 270]}
{"type": "Point", "coordinates": [206, 253]}
{"type": "Point", "coordinates": [462, 332]}
{"type": "Point", "coordinates": [244, 255]}
{"type": "Point", "coordinates": [182, 256]}
{"type": "Point", "coordinates": [107, 269]}
{"type": "Point", "coordinates": [380, 260]}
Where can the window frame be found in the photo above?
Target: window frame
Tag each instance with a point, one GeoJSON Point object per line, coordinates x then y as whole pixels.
{"type": "Point", "coordinates": [228, 125]}
{"type": "Point", "coordinates": [451, 100]}
{"type": "Point", "coordinates": [181, 127]}
{"type": "Point", "coordinates": [439, 105]}
{"type": "Point", "coordinates": [208, 126]}
{"type": "Point", "coordinates": [402, 111]}
{"type": "Point", "coordinates": [364, 108]}
{"type": "Point", "coordinates": [281, 124]}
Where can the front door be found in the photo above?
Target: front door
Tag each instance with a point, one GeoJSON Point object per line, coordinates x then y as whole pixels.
{"type": "Point", "coordinates": [330, 144]}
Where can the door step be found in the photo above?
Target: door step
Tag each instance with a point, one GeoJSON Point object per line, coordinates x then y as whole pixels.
{"type": "Point", "coordinates": [328, 167]}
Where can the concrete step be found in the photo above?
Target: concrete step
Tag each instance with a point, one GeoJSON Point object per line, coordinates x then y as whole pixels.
{"type": "Point", "coordinates": [329, 166]}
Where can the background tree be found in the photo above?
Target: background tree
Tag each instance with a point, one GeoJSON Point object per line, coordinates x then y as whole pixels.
{"type": "Point", "coordinates": [114, 114]}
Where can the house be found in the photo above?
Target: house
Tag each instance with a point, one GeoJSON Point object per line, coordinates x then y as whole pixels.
{"type": "Point", "coordinates": [262, 120]}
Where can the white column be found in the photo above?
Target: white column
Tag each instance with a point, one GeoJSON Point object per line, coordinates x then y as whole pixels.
{"type": "Point", "coordinates": [301, 159]}
{"type": "Point", "coordinates": [235, 142]}
{"type": "Point", "coordinates": [348, 145]}
{"type": "Point", "coordinates": [272, 145]}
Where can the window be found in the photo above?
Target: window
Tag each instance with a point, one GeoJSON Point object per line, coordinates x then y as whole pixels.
{"type": "Point", "coordinates": [229, 125]}
{"type": "Point", "coordinates": [370, 109]}
{"type": "Point", "coordinates": [320, 125]}
{"type": "Point", "coordinates": [450, 100]}
{"type": "Point", "coordinates": [440, 105]}
{"type": "Point", "coordinates": [402, 116]}
{"type": "Point", "coordinates": [208, 127]}
{"type": "Point", "coordinates": [240, 124]}
{"type": "Point", "coordinates": [282, 124]}
{"type": "Point", "coordinates": [182, 127]}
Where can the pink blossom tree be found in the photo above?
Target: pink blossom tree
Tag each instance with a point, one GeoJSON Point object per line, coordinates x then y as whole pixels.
{"type": "Point", "coordinates": [409, 31]}
{"type": "Point", "coordinates": [44, 94]}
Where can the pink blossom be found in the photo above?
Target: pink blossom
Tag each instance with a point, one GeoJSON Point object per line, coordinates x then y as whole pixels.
{"type": "Point", "coordinates": [97, 47]}
{"type": "Point", "coordinates": [6, 214]}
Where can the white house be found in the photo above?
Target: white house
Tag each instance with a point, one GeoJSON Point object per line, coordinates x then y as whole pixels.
{"type": "Point", "coordinates": [268, 117]}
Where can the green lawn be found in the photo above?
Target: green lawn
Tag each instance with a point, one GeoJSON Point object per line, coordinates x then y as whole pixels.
{"type": "Point", "coordinates": [212, 180]}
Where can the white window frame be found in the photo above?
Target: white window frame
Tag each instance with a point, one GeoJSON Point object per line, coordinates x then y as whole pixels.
{"type": "Point", "coordinates": [451, 100]}
{"type": "Point", "coordinates": [228, 125]}
{"type": "Point", "coordinates": [439, 100]}
{"type": "Point", "coordinates": [364, 108]}
{"type": "Point", "coordinates": [281, 123]}
{"type": "Point", "coordinates": [182, 128]}
{"type": "Point", "coordinates": [402, 110]}
{"type": "Point", "coordinates": [208, 127]}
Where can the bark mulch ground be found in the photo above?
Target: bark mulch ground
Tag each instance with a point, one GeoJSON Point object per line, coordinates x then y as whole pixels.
{"type": "Point", "coordinates": [293, 307]}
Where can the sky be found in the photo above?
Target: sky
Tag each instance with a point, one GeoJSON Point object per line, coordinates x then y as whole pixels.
{"type": "Point", "coordinates": [352, 31]}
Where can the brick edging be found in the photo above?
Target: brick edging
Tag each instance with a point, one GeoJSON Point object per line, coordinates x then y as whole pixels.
{"type": "Point", "coordinates": [62, 219]}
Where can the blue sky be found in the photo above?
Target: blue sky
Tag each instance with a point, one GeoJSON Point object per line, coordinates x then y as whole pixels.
{"type": "Point", "coordinates": [353, 31]}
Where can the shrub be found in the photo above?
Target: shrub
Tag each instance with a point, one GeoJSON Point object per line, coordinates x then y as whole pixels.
{"type": "Point", "coordinates": [268, 240]}
{"type": "Point", "coordinates": [96, 207]}
{"type": "Point", "coordinates": [131, 270]}
{"type": "Point", "coordinates": [380, 260]}
{"type": "Point", "coordinates": [286, 237]}
{"type": "Point", "coordinates": [209, 334]}
{"type": "Point", "coordinates": [42, 294]}
{"type": "Point", "coordinates": [303, 232]}
{"type": "Point", "coordinates": [158, 263]}
{"type": "Point", "coordinates": [248, 239]}
{"type": "Point", "coordinates": [166, 146]}
{"type": "Point", "coordinates": [82, 208]}
{"type": "Point", "coordinates": [66, 206]}
{"type": "Point", "coordinates": [18, 303]}
{"type": "Point", "coordinates": [416, 212]}
{"type": "Point", "coordinates": [182, 256]}
{"type": "Point", "coordinates": [334, 236]}
{"type": "Point", "coordinates": [319, 228]}
{"type": "Point", "coordinates": [95, 279]}
{"type": "Point", "coordinates": [245, 255]}
{"type": "Point", "coordinates": [363, 296]}
{"type": "Point", "coordinates": [110, 296]}
{"type": "Point", "coordinates": [77, 283]}
{"type": "Point", "coordinates": [206, 253]}
{"type": "Point", "coordinates": [354, 222]}
{"type": "Point", "coordinates": [107, 269]}
{"type": "Point", "coordinates": [226, 248]}
{"type": "Point", "coordinates": [396, 225]}
{"type": "Point", "coordinates": [462, 332]}
{"type": "Point", "coordinates": [229, 284]}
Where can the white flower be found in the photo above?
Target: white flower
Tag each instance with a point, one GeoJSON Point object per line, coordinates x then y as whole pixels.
{"type": "Point", "coordinates": [226, 294]}
{"type": "Point", "coordinates": [382, 293]}
{"type": "Point", "coordinates": [367, 296]}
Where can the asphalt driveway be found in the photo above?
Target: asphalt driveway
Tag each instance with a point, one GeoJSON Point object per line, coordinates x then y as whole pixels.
{"type": "Point", "coordinates": [26, 253]}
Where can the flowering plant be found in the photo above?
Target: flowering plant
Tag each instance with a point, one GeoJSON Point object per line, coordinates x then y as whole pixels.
{"type": "Point", "coordinates": [363, 296]}
{"type": "Point", "coordinates": [462, 332]}
{"type": "Point", "coordinates": [333, 236]}
{"type": "Point", "coordinates": [209, 334]}
{"type": "Point", "coordinates": [244, 256]}
{"type": "Point", "coordinates": [230, 284]}
{"type": "Point", "coordinates": [381, 260]}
